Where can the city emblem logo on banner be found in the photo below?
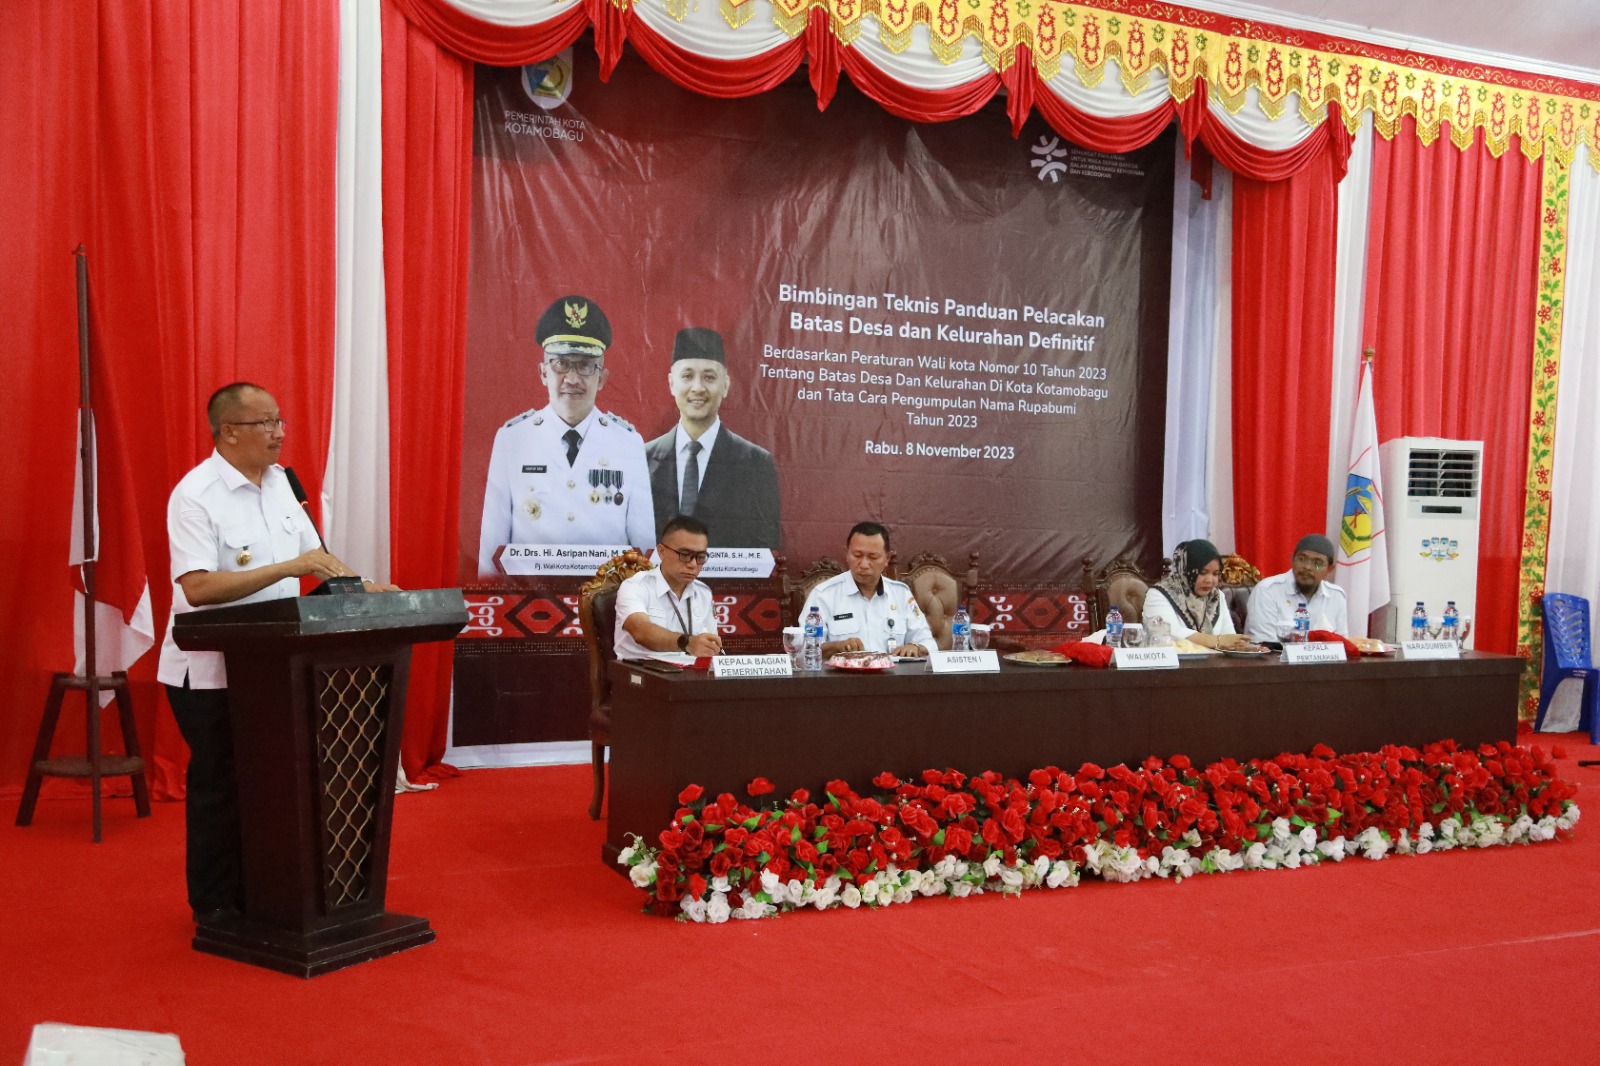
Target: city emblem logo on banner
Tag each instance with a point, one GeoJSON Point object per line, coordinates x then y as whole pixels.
{"type": "Point", "coordinates": [549, 83]}
{"type": "Point", "coordinates": [1355, 528]}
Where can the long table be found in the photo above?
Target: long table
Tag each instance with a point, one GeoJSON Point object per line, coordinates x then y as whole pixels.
{"type": "Point", "coordinates": [671, 730]}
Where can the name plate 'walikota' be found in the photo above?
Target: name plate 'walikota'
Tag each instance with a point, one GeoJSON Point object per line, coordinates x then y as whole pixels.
{"type": "Point", "coordinates": [1430, 649]}
{"type": "Point", "coordinates": [964, 662]}
{"type": "Point", "coordinates": [752, 666]}
{"type": "Point", "coordinates": [1320, 652]}
{"type": "Point", "coordinates": [1146, 658]}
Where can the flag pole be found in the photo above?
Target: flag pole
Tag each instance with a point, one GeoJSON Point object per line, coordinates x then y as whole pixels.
{"type": "Point", "coordinates": [87, 457]}
{"type": "Point", "coordinates": [91, 522]}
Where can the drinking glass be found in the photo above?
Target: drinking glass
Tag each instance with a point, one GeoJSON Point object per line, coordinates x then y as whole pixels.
{"type": "Point", "coordinates": [791, 644]}
{"type": "Point", "coordinates": [1132, 635]}
{"type": "Point", "coordinates": [980, 637]}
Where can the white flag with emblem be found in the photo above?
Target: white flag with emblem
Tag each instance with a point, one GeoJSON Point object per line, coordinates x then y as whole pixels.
{"type": "Point", "coordinates": [1363, 570]}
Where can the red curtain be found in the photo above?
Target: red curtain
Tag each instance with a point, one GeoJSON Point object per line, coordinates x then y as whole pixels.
{"type": "Point", "coordinates": [427, 198]}
{"type": "Point", "coordinates": [47, 80]}
{"type": "Point", "coordinates": [1452, 277]}
{"type": "Point", "coordinates": [1284, 233]}
{"type": "Point", "coordinates": [191, 148]}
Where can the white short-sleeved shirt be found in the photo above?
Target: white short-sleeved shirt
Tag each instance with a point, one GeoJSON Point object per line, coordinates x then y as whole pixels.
{"type": "Point", "coordinates": [886, 621]}
{"type": "Point", "coordinates": [1156, 605]}
{"type": "Point", "coordinates": [534, 496]}
{"type": "Point", "coordinates": [648, 593]}
{"type": "Point", "coordinates": [1275, 599]}
{"type": "Point", "coordinates": [219, 521]}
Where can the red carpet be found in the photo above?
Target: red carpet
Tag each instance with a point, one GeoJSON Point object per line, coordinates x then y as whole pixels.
{"type": "Point", "coordinates": [543, 956]}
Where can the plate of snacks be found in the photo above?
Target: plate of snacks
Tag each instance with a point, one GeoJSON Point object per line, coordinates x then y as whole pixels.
{"type": "Point", "coordinates": [1371, 646]}
{"type": "Point", "coordinates": [861, 662]}
{"type": "Point", "coordinates": [1247, 651]}
{"type": "Point", "coordinates": [1038, 658]}
{"type": "Point", "coordinates": [1188, 649]}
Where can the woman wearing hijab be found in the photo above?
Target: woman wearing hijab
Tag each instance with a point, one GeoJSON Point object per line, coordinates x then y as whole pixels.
{"type": "Point", "coordinates": [1190, 598]}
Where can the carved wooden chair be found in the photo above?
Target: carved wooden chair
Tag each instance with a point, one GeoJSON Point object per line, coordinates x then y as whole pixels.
{"type": "Point", "coordinates": [597, 613]}
{"type": "Point", "coordinates": [938, 589]}
{"type": "Point", "coordinates": [1122, 584]}
{"type": "Point", "coordinates": [1239, 579]}
{"type": "Point", "coordinates": [795, 591]}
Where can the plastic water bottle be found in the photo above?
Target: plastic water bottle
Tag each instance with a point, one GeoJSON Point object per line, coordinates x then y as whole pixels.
{"type": "Point", "coordinates": [1452, 622]}
{"type": "Point", "coordinates": [961, 630]}
{"type": "Point", "coordinates": [811, 642]}
{"type": "Point", "coordinates": [1302, 625]}
{"type": "Point", "coordinates": [1419, 622]}
{"type": "Point", "coordinates": [1113, 628]}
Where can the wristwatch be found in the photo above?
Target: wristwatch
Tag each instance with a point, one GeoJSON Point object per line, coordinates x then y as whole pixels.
{"type": "Point", "coordinates": [683, 642]}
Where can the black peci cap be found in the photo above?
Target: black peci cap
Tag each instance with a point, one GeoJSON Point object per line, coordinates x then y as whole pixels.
{"type": "Point", "coordinates": [696, 342]}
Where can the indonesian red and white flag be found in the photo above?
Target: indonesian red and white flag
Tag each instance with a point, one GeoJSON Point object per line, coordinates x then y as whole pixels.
{"type": "Point", "coordinates": [123, 624]}
{"type": "Point", "coordinates": [1363, 562]}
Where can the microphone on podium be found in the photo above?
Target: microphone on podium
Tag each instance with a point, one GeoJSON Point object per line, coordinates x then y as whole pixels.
{"type": "Point", "coordinates": [333, 585]}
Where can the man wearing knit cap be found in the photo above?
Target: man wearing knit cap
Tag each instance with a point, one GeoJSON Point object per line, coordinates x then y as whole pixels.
{"type": "Point", "coordinates": [1275, 599]}
{"type": "Point", "coordinates": [567, 473]}
{"type": "Point", "coordinates": [704, 469]}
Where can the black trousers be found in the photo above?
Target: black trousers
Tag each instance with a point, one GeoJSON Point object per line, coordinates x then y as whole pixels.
{"type": "Point", "coordinates": [212, 851]}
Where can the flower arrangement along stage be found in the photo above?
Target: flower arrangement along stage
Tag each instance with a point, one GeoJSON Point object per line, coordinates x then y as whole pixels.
{"type": "Point", "coordinates": [954, 835]}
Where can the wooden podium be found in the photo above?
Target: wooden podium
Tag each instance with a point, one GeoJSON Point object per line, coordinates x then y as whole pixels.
{"type": "Point", "coordinates": [316, 689]}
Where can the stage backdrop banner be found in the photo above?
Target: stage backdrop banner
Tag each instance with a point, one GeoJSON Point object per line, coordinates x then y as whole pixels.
{"type": "Point", "coordinates": [941, 327]}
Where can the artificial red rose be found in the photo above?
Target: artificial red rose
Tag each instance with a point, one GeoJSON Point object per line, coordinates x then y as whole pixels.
{"type": "Point", "coordinates": [721, 863]}
{"type": "Point", "coordinates": [827, 866]}
{"type": "Point", "coordinates": [1011, 820]}
{"type": "Point", "coordinates": [1180, 762]}
{"type": "Point", "coordinates": [993, 833]}
{"type": "Point", "coordinates": [839, 789]}
{"type": "Point", "coordinates": [800, 795]}
{"type": "Point", "coordinates": [690, 794]}
{"type": "Point", "coordinates": [886, 780]}
{"type": "Point", "coordinates": [1039, 779]}
{"type": "Point", "coordinates": [672, 839]}
{"type": "Point", "coordinates": [1090, 770]}
{"type": "Point", "coordinates": [667, 888]}
{"type": "Point", "coordinates": [712, 814]}
{"type": "Point", "coordinates": [735, 836]}
{"type": "Point", "coordinates": [697, 886]}
{"type": "Point", "coordinates": [805, 852]}
{"type": "Point", "coordinates": [1090, 789]}
{"type": "Point", "coordinates": [957, 839]}
{"type": "Point", "coordinates": [759, 787]}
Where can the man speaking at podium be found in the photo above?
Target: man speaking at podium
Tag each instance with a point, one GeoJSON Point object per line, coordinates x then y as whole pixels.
{"type": "Point", "coordinates": [237, 535]}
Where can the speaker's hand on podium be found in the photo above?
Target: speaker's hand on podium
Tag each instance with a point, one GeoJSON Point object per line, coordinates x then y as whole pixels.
{"type": "Point", "coordinates": [373, 586]}
{"type": "Point", "coordinates": [318, 563]}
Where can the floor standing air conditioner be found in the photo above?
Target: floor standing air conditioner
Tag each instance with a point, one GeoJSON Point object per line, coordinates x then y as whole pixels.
{"type": "Point", "coordinates": [1431, 519]}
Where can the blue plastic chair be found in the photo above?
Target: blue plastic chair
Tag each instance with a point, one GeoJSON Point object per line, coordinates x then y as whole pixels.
{"type": "Point", "coordinates": [1567, 654]}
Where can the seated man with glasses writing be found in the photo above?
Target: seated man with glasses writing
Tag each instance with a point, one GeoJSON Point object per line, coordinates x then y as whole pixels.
{"type": "Point", "coordinates": [567, 473]}
{"type": "Point", "coordinates": [1275, 599]}
{"type": "Point", "coordinates": [669, 609]}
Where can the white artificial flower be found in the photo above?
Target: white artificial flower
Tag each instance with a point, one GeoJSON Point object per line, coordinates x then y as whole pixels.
{"type": "Point", "coordinates": [1371, 843]}
{"type": "Point", "coordinates": [991, 865]}
{"type": "Point", "coordinates": [1041, 867]}
{"type": "Point", "coordinates": [869, 891]}
{"type": "Point", "coordinates": [1280, 829]}
{"type": "Point", "coordinates": [851, 896]}
{"type": "Point", "coordinates": [1308, 838]}
{"type": "Point", "coordinates": [903, 895]}
{"type": "Point", "coordinates": [1569, 817]}
{"type": "Point", "coordinates": [1255, 856]}
{"type": "Point", "coordinates": [643, 875]}
{"type": "Point", "coordinates": [1425, 831]}
{"type": "Point", "coordinates": [961, 869]}
{"type": "Point", "coordinates": [1401, 846]}
{"type": "Point", "coordinates": [1424, 845]}
{"type": "Point", "coordinates": [693, 909]}
{"type": "Point", "coordinates": [1291, 861]}
{"type": "Point", "coordinates": [796, 890]}
{"type": "Point", "coordinates": [946, 868]}
{"type": "Point", "coordinates": [1333, 849]}
{"type": "Point", "coordinates": [720, 884]}
{"type": "Point", "coordinates": [1518, 831]}
{"type": "Point", "coordinates": [754, 908]}
{"type": "Point", "coordinates": [826, 896]}
{"type": "Point", "coordinates": [961, 889]}
{"type": "Point", "coordinates": [625, 856]}
{"type": "Point", "coordinates": [1191, 839]}
{"type": "Point", "coordinates": [932, 885]}
{"type": "Point", "coordinates": [1178, 862]}
{"type": "Point", "coordinates": [1011, 877]}
{"type": "Point", "coordinates": [717, 909]}
{"type": "Point", "coordinates": [1063, 874]}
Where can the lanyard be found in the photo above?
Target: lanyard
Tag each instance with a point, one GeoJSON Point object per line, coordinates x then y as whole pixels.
{"type": "Point", "coordinates": [687, 627]}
